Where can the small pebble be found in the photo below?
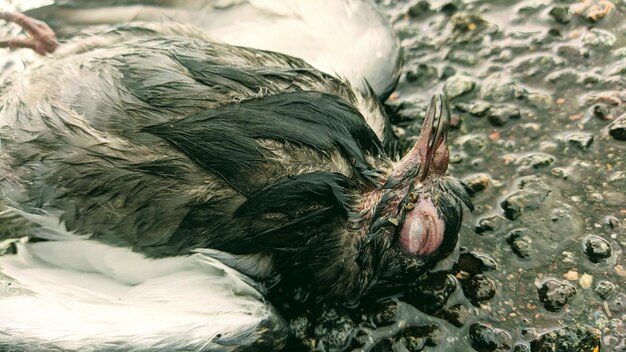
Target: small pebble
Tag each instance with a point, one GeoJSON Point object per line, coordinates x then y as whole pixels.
{"type": "Point", "coordinates": [521, 348]}
{"type": "Point", "coordinates": [597, 248]}
{"type": "Point", "coordinates": [554, 294]}
{"type": "Point", "coordinates": [478, 288]}
{"type": "Point", "coordinates": [593, 10]}
{"type": "Point", "coordinates": [603, 289]}
{"type": "Point", "coordinates": [474, 263]}
{"type": "Point", "coordinates": [581, 140]}
{"type": "Point", "coordinates": [486, 338]}
{"type": "Point", "coordinates": [432, 292]}
{"type": "Point", "coordinates": [573, 338]}
{"type": "Point", "coordinates": [456, 315]}
{"type": "Point", "coordinates": [520, 242]}
{"type": "Point", "coordinates": [488, 223]}
{"type": "Point", "coordinates": [585, 281]}
{"type": "Point", "coordinates": [458, 85]}
{"type": "Point", "coordinates": [561, 14]}
{"type": "Point", "coordinates": [599, 38]}
{"type": "Point", "coordinates": [571, 275]}
{"type": "Point", "coordinates": [476, 183]}
{"type": "Point", "coordinates": [420, 8]}
{"type": "Point", "coordinates": [500, 115]}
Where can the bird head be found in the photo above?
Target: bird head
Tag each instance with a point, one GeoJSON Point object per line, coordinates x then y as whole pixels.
{"type": "Point", "coordinates": [417, 212]}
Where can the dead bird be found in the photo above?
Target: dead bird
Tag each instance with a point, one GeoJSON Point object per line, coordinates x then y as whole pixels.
{"type": "Point", "coordinates": [156, 139]}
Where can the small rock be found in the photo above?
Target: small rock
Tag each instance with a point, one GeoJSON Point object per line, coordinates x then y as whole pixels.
{"type": "Point", "coordinates": [519, 242]}
{"type": "Point", "coordinates": [488, 223]}
{"type": "Point", "coordinates": [530, 8]}
{"type": "Point", "coordinates": [521, 348]}
{"type": "Point", "coordinates": [446, 72]}
{"type": "Point", "coordinates": [561, 14]}
{"type": "Point", "coordinates": [612, 222]}
{"type": "Point", "coordinates": [478, 288]}
{"type": "Point", "coordinates": [597, 248]}
{"type": "Point", "coordinates": [473, 143]}
{"type": "Point", "coordinates": [593, 10]}
{"type": "Point", "coordinates": [539, 101]}
{"type": "Point", "coordinates": [604, 288]}
{"type": "Point", "coordinates": [456, 315]}
{"type": "Point", "coordinates": [581, 140]}
{"type": "Point", "coordinates": [513, 204]}
{"type": "Point", "coordinates": [585, 281]}
{"type": "Point", "coordinates": [381, 314]}
{"type": "Point", "coordinates": [416, 338]}
{"type": "Point", "coordinates": [458, 85]}
{"type": "Point", "coordinates": [498, 87]}
{"type": "Point", "coordinates": [617, 129]}
{"type": "Point", "coordinates": [500, 115]}
{"type": "Point", "coordinates": [485, 338]}
{"type": "Point", "coordinates": [601, 111]}
{"type": "Point", "coordinates": [420, 8]}
{"type": "Point", "coordinates": [479, 108]}
{"type": "Point", "coordinates": [563, 77]}
{"type": "Point", "coordinates": [571, 275]}
{"type": "Point", "coordinates": [476, 183]}
{"type": "Point", "coordinates": [532, 191]}
{"type": "Point", "coordinates": [599, 38]}
{"type": "Point", "coordinates": [449, 8]}
{"type": "Point", "coordinates": [570, 52]}
{"type": "Point", "coordinates": [431, 294]}
{"type": "Point", "coordinates": [568, 339]}
{"type": "Point", "coordinates": [554, 294]}
{"type": "Point", "coordinates": [474, 263]}
{"type": "Point", "coordinates": [536, 160]}
{"type": "Point", "coordinates": [422, 73]}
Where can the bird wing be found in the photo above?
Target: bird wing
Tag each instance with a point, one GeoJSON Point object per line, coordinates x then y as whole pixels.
{"type": "Point", "coordinates": [149, 141]}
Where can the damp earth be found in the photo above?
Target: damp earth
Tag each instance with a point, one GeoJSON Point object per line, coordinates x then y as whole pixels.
{"type": "Point", "coordinates": [538, 97]}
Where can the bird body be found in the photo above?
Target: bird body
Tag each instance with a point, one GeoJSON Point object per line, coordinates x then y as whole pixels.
{"type": "Point", "coordinates": [159, 151]}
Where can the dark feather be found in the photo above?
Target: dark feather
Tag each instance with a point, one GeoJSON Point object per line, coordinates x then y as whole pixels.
{"type": "Point", "coordinates": [225, 140]}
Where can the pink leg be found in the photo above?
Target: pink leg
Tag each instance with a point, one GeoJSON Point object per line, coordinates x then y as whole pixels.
{"type": "Point", "coordinates": [42, 39]}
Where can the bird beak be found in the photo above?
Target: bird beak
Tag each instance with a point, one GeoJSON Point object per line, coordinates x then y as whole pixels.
{"type": "Point", "coordinates": [429, 155]}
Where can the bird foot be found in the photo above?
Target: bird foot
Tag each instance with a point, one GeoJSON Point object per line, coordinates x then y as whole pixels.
{"type": "Point", "coordinates": [41, 37]}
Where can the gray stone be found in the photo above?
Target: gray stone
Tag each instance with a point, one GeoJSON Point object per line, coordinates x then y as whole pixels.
{"type": "Point", "coordinates": [500, 115]}
{"type": "Point", "coordinates": [568, 339]}
{"type": "Point", "coordinates": [458, 85]}
{"type": "Point", "coordinates": [561, 14]}
{"type": "Point", "coordinates": [599, 38]}
{"type": "Point", "coordinates": [554, 294]}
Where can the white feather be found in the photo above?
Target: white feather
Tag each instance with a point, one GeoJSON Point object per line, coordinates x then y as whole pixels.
{"type": "Point", "coordinates": [83, 295]}
{"type": "Point", "coordinates": [347, 38]}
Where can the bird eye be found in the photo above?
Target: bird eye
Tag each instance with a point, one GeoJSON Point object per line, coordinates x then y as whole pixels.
{"type": "Point", "coordinates": [422, 231]}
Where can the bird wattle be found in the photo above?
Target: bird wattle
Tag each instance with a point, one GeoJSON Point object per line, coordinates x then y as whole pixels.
{"type": "Point", "coordinates": [422, 230]}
